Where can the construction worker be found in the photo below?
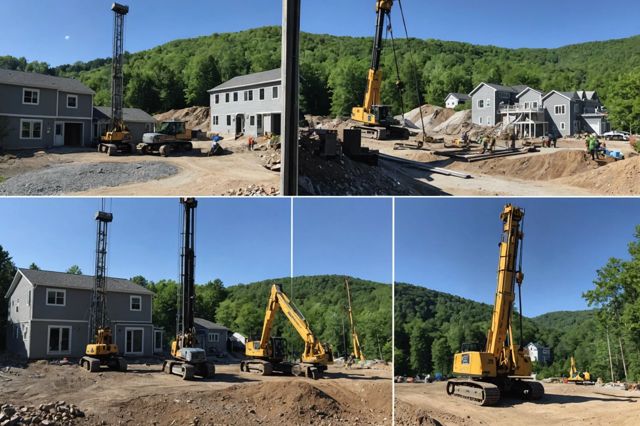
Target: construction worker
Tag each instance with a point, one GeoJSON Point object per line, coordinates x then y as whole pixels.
{"type": "Point", "coordinates": [593, 147]}
{"type": "Point", "coordinates": [513, 139]}
{"type": "Point", "coordinates": [483, 140]}
{"type": "Point", "coordinates": [492, 144]}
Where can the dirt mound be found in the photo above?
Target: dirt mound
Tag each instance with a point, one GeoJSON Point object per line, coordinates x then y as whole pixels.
{"type": "Point", "coordinates": [432, 116]}
{"type": "Point", "coordinates": [408, 415]}
{"type": "Point", "coordinates": [538, 166]}
{"type": "Point", "coordinates": [619, 178]}
{"type": "Point", "coordinates": [197, 118]}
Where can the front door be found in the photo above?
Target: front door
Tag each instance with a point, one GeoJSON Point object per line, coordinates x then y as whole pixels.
{"type": "Point", "coordinates": [58, 137]}
{"type": "Point", "coordinates": [133, 344]}
{"type": "Point", "coordinates": [260, 125]}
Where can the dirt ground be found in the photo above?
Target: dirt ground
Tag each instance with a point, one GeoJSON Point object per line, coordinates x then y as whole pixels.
{"type": "Point", "coordinates": [563, 404]}
{"type": "Point", "coordinates": [146, 396]}
{"type": "Point", "coordinates": [198, 174]}
{"type": "Point", "coordinates": [561, 171]}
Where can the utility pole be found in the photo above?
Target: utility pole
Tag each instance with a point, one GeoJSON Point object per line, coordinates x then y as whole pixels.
{"type": "Point", "coordinates": [290, 87]}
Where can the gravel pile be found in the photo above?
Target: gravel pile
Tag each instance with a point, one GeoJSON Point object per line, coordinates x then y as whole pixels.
{"type": "Point", "coordinates": [65, 179]}
{"type": "Point", "coordinates": [54, 413]}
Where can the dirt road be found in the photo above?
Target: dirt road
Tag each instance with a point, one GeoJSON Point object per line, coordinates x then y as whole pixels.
{"type": "Point", "coordinates": [428, 404]}
{"type": "Point", "coordinates": [146, 396]}
{"type": "Point", "coordinates": [197, 175]}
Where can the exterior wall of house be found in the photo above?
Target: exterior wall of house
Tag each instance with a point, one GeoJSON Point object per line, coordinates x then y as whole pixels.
{"type": "Point", "coordinates": [18, 326]}
{"type": "Point", "coordinates": [51, 109]}
{"type": "Point", "coordinates": [40, 339]}
{"type": "Point", "coordinates": [530, 97]}
{"type": "Point", "coordinates": [120, 335]}
{"type": "Point", "coordinates": [485, 116]}
{"type": "Point", "coordinates": [241, 114]}
{"type": "Point", "coordinates": [211, 347]}
{"type": "Point", "coordinates": [452, 102]}
{"type": "Point", "coordinates": [595, 125]}
{"type": "Point", "coordinates": [560, 124]}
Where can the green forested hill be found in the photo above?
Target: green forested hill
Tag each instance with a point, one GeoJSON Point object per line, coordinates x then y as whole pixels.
{"type": "Point", "coordinates": [431, 326]}
{"type": "Point", "coordinates": [334, 70]}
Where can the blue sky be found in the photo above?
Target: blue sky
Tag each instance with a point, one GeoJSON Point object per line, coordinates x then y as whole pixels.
{"type": "Point", "coordinates": [343, 237]}
{"type": "Point", "coordinates": [451, 245]}
{"type": "Point", "coordinates": [238, 241]}
{"type": "Point", "coordinates": [88, 24]}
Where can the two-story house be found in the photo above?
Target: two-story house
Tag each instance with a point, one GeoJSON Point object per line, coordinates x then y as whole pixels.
{"type": "Point", "coordinates": [250, 105]}
{"type": "Point", "coordinates": [42, 111]}
{"type": "Point", "coordinates": [487, 100]}
{"type": "Point", "coordinates": [539, 353]}
{"type": "Point", "coordinates": [212, 337]}
{"type": "Point", "coordinates": [49, 312]}
{"type": "Point", "coordinates": [526, 115]}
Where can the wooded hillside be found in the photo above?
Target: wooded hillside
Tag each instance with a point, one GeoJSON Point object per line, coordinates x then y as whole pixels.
{"type": "Point", "coordinates": [333, 69]}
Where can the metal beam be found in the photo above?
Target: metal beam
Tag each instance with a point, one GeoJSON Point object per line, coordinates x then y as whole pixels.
{"type": "Point", "coordinates": [290, 88]}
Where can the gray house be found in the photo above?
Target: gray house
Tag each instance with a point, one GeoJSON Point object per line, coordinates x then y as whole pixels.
{"type": "Point", "coordinates": [250, 105]}
{"type": "Point", "coordinates": [49, 311]}
{"type": "Point", "coordinates": [42, 111]}
{"type": "Point", "coordinates": [454, 99]}
{"type": "Point", "coordinates": [527, 115]}
{"type": "Point", "coordinates": [488, 98]}
{"type": "Point", "coordinates": [211, 337]}
{"type": "Point", "coordinates": [137, 121]}
{"type": "Point", "coordinates": [539, 353]}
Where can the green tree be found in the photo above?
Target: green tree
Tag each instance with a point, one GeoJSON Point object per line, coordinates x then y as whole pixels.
{"type": "Point", "coordinates": [420, 347]}
{"type": "Point", "coordinates": [208, 298]}
{"type": "Point", "coordinates": [140, 280]}
{"type": "Point", "coordinates": [142, 93]}
{"type": "Point", "coordinates": [165, 307]}
{"type": "Point", "coordinates": [202, 74]}
{"type": "Point", "coordinates": [624, 102]}
{"type": "Point", "coordinates": [347, 82]}
{"type": "Point", "coordinates": [170, 88]}
{"type": "Point", "coordinates": [441, 356]}
{"type": "Point", "coordinates": [74, 270]}
{"type": "Point", "coordinates": [34, 267]}
{"type": "Point", "coordinates": [7, 272]}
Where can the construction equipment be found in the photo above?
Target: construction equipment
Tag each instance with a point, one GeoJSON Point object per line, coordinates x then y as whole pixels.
{"type": "Point", "coordinates": [171, 136]}
{"type": "Point", "coordinates": [355, 340]}
{"type": "Point", "coordinates": [378, 122]}
{"type": "Point", "coordinates": [102, 351]}
{"type": "Point", "coordinates": [583, 378]}
{"type": "Point", "coordinates": [268, 354]}
{"type": "Point", "coordinates": [504, 367]}
{"type": "Point", "coordinates": [188, 360]}
{"type": "Point", "coordinates": [118, 139]}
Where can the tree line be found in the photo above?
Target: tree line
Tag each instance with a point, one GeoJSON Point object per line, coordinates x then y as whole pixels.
{"type": "Point", "coordinates": [333, 71]}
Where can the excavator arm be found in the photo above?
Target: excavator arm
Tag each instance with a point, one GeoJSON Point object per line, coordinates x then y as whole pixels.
{"type": "Point", "coordinates": [314, 350]}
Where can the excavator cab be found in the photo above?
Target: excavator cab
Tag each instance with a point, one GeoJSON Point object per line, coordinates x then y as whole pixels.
{"type": "Point", "coordinates": [172, 128]}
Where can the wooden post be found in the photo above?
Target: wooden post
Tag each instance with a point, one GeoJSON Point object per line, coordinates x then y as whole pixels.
{"type": "Point", "coordinates": [290, 88]}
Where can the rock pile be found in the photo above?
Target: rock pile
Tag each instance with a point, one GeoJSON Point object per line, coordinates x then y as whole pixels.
{"type": "Point", "coordinates": [53, 413]}
{"type": "Point", "coordinates": [253, 191]}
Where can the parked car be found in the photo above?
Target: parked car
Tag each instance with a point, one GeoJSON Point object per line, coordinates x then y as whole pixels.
{"type": "Point", "coordinates": [616, 135]}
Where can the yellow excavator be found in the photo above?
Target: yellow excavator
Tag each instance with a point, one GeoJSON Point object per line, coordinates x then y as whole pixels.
{"type": "Point", "coordinates": [102, 351]}
{"type": "Point", "coordinates": [187, 359]}
{"type": "Point", "coordinates": [355, 340]}
{"type": "Point", "coordinates": [504, 367]}
{"type": "Point", "coordinates": [583, 378]}
{"type": "Point", "coordinates": [269, 353]}
{"type": "Point", "coordinates": [377, 120]}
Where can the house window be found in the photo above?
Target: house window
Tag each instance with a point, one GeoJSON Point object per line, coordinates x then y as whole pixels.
{"type": "Point", "coordinates": [217, 98]}
{"type": "Point", "coordinates": [59, 340]}
{"type": "Point", "coordinates": [559, 109]}
{"type": "Point", "coordinates": [526, 105]}
{"type": "Point", "coordinates": [72, 101]}
{"type": "Point", "coordinates": [29, 298]}
{"type": "Point", "coordinates": [214, 337]}
{"type": "Point", "coordinates": [480, 120]}
{"type": "Point", "coordinates": [134, 338]}
{"type": "Point", "coordinates": [157, 340]}
{"type": "Point", "coordinates": [275, 92]}
{"type": "Point", "coordinates": [17, 305]}
{"type": "Point", "coordinates": [534, 105]}
{"type": "Point", "coordinates": [226, 97]}
{"type": "Point", "coordinates": [480, 105]}
{"type": "Point", "coordinates": [262, 94]}
{"type": "Point", "coordinates": [488, 102]}
{"type": "Point", "coordinates": [248, 95]}
{"type": "Point", "coordinates": [30, 129]}
{"type": "Point", "coordinates": [252, 120]}
{"type": "Point", "coordinates": [135, 303]}
{"type": "Point", "coordinates": [563, 125]}
{"type": "Point", "coordinates": [235, 96]}
{"type": "Point", "coordinates": [215, 120]}
{"type": "Point", "coordinates": [31, 96]}
{"type": "Point", "coordinates": [25, 332]}
{"type": "Point", "coordinates": [56, 297]}
{"type": "Point", "coordinates": [228, 120]}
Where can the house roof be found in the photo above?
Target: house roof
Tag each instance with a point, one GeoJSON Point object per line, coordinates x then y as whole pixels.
{"type": "Point", "coordinates": [460, 96]}
{"type": "Point", "coordinates": [527, 89]}
{"type": "Point", "coordinates": [42, 81]}
{"type": "Point", "coordinates": [569, 95]}
{"type": "Point", "coordinates": [208, 324]}
{"type": "Point", "coordinates": [271, 76]}
{"type": "Point", "coordinates": [130, 115]}
{"type": "Point", "coordinates": [81, 282]}
{"type": "Point", "coordinates": [497, 87]}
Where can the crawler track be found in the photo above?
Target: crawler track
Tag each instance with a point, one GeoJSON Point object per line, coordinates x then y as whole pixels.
{"type": "Point", "coordinates": [480, 393]}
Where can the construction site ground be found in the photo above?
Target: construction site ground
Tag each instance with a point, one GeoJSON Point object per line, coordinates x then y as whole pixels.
{"type": "Point", "coordinates": [182, 173]}
{"type": "Point", "coordinates": [566, 170]}
{"type": "Point", "coordinates": [563, 404]}
{"type": "Point", "coordinates": [146, 396]}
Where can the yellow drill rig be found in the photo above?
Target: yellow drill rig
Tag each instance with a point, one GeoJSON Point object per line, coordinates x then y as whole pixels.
{"type": "Point", "coordinates": [268, 354]}
{"type": "Point", "coordinates": [355, 340]}
{"type": "Point", "coordinates": [504, 366]}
